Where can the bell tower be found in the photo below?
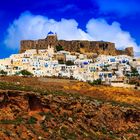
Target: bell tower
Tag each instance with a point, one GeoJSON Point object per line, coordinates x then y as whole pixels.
{"type": "Point", "coordinates": [51, 38]}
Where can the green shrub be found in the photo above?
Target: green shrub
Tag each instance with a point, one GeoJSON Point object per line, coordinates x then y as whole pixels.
{"type": "Point", "coordinates": [69, 63]}
{"type": "Point", "coordinates": [32, 120]}
{"type": "Point", "coordinates": [44, 127]}
{"type": "Point", "coordinates": [59, 48]}
{"type": "Point", "coordinates": [25, 73]}
{"type": "Point", "coordinates": [134, 72]}
{"type": "Point", "coordinates": [16, 121]}
{"type": "Point", "coordinates": [3, 73]}
{"type": "Point", "coordinates": [96, 82]}
{"type": "Point", "coordinates": [61, 62]}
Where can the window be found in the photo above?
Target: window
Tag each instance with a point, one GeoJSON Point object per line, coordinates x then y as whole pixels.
{"type": "Point", "coordinates": [109, 75]}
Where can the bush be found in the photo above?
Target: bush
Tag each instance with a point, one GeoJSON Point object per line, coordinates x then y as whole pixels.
{"type": "Point", "coordinates": [61, 62]}
{"type": "Point", "coordinates": [32, 120]}
{"type": "Point", "coordinates": [134, 72]}
{"type": "Point", "coordinates": [25, 73]}
{"type": "Point", "coordinates": [17, 121]}
{"type": "Point", "coordinates": [59, 48]}
{"type": "Point", "coordinates": [3, 73]}
{"type": "Point", "coordinates": [96, 82]}
{"type": "Point", "coordinates": [69, 63]}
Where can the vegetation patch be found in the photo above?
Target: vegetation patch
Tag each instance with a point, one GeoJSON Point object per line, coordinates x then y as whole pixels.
{"type": "Point", "coordinates": [17, 121]}
{"type": "Point", "coordinates": [32, 120]}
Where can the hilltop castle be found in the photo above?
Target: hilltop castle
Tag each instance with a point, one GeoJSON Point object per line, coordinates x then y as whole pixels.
{"type": "Point", "coordinates": [81, 46]}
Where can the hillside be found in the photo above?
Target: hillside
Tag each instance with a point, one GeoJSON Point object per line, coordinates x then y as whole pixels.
{"type": "Point", "coordinates": [40, 108]}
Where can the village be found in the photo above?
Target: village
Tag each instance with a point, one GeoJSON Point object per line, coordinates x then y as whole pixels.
{"type": "Point", "coordinates": [57, 62]}
{"type": "Point", "coordinates": [76, 66]}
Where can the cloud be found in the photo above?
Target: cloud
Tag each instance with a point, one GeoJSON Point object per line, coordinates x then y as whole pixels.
{"type": "Point", "coordinates": [119, 7]}
{"type": "Point", "coordinates": [29, 26]}
{"type": "Point", "coordinates": [99, 29]}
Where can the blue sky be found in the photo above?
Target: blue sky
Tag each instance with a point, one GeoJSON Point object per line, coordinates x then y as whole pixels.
{"type": "Point", "coordinates": [109, 20]}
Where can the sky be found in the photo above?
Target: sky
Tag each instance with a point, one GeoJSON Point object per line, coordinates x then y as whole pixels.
{"type": "Point", "coordinates": [108, 20]}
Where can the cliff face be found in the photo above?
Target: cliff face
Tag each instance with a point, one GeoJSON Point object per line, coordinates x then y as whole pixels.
{"type": "Point", "coordinates": [98, 47]}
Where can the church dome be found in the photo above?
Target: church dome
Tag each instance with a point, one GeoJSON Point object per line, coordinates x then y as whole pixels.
{"type": "Point", "coordinates": [51, 33]}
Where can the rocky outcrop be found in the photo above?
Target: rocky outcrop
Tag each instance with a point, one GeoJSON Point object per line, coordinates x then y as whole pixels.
{"type": "Point", "coordinates": [31, 115]}
{"type": "Point", "coordinates": [98, 47]}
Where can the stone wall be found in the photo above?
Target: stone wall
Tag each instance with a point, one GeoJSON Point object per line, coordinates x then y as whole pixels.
{"type": "Point", "coordinates": [99, 47]}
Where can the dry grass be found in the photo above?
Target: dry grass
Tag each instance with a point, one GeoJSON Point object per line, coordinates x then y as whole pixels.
{"type": "Point", "coordinates": [107, 93]}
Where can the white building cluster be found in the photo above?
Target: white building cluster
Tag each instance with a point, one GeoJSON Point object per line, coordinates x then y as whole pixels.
{"type": "Point", "coordinates": [43, 63]}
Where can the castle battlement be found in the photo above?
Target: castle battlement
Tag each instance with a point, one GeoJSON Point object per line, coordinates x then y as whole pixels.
{"type": "Point", "coordinates": [82, 46]}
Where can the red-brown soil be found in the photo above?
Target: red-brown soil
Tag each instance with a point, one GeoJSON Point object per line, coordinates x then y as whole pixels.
{"type": "Point", "coordinates": [55, 109]}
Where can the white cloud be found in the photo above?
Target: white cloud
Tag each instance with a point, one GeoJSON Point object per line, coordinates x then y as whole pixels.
{"type": "Point", "coordinates": [99, 29]}
{"type": "Point", "coordinates": [29, 26]}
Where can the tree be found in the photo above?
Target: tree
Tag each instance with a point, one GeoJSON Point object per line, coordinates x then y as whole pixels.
{"type": "Point", "coordinates": [59, 48]}
{"type": "Point", "coordinates": [25, 73]}
{"type": "Point", "coordinates": [3, 73]}
{"type": "Point", "coordinates": [61, 61]}
{"type": "Point", "coordinates": [69, 63]}
{"type": "Point", "coordinates": [134, 72]}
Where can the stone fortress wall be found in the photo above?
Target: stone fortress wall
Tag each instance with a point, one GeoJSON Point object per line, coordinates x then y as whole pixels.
{"type": "Point", "coordinates": [81, 46]}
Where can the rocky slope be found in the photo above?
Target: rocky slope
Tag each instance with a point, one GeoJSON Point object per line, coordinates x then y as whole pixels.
{"type": "Point", "coordinates": [57, 115]}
